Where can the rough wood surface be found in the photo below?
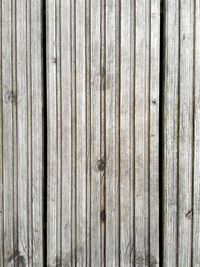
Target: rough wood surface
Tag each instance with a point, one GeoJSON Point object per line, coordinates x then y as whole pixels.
{"type": "Point", "coordinates": [181, 116]}
{"type": "Point", "coordinates": [103, 130]}
{"type": "Point", "coordinates": [185, 136]}
{"type": "Point", "coordinates": [196, 143]}
{"type": "Point", "coordinates": [21, 134]}
{"type": "Point", "coordinates": [103, 144]}
{"type": "Point", "coordinates": [170, 106]}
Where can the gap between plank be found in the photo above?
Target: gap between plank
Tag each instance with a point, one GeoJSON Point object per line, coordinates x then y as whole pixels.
{"type": "Point", "coordinates": [161, 128]}
{"type": "Point", "coordinates": [45, 134]}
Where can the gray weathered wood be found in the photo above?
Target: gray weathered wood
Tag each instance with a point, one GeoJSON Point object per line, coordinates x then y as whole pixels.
{"type": "Point", "coordinates": [1, 153]}
{"type": "Point", "coordinates": [7, 115]}
{"type": "Point", "coordinates": [22, 134]}
{"type": "Point", "coordinates": [185, 142]}
{"type": "Point", "coordinates": [52, 172]}
{"type": "Point", "coordinates": [196, 187]}
{"type": "Point", "coordinates": [103, 107]}
{"type": "Point", "coordinates": [170, 160]}
{"type": "Point", "coordinates": [94, 132]}
{"type": "Point", "coordinates": [154, 128]}
{"type": "Point", "coordinates": [146, 132]}
{"type": "Point", "coordinates": [126, 136]}
{"type": "Point", "coordinates": [103, 114]}
{"type": "Point", "coordinates": [180, 139]}
{"type": "Point", "coordinates": [66, 129]}
{"type": "Point", "coordinates": [81, 132]}
{"type": "Point", "coordinates": [112, 132]}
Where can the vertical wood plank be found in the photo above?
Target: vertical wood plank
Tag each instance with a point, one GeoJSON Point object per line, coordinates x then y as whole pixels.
{"type": "Point", "coordinates": [103, 128]}
{"type": "Point", "coordinates": [185, 133]}
{"type": "Point", "coordinates": [170, 160]}
{"type": "Point", "coordinates": [81, 143]}
{"type": "Point", "coordinates": [179, 133]}
{"type": "Point", "coordinates": [97, 171]}
{"type": "Point", "coordinates": [15, 149]}
{"type": "Point", "coordinates": [36, 95]}
{"type": "Point", "coordinates": [57, 62]}
{"type": "Point", "coordinates": [22, 135]}
{"type": "Point", "coordinates": [22, 144]}
{"type": "Point", "coordinates": [1, 150]}
{"type": "Point", "coordinates": [7, 155]}
{"type": "Point", "coordinates": [112, 134]}
{"type": "Point", "coordinates": [154, 127]}
{"type": "Point", "coordinates": [52, 135]}
{"type": "Point", "coordinates": [142, 92]}
{"type": "Point", "coordinates": [66, 141]}
{"type": "Point", "coordinates": [96, 94]}
{"type": "Point", "coordinates": [126, 138]}
{"type": "Point", "coordinates": [178, 117]}
{"type": "Point", "coordinates": [196, 103]}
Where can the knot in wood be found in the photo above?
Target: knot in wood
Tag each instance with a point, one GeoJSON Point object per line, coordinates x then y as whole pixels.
{"type": "Point", "coordinates": [101, 165]}
{"type": "Point", "coordinates": [11, 97]}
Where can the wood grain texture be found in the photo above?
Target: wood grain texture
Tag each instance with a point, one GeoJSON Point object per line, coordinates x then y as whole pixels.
{"type": "Point", "coordinates": [196, 143]}
{"type": "Point", "coordinates": [21, 134]}
{"type": "Point", "coordinates": [52, 196]}
{"type": "Point", "coordinates": [126, 136]}
{"type": "Point", "coordinates": [180, 135]}
{"type": "Point", "coordinates": [154, 136]}
{"type": "Point", "coordinates": [185, 142]}
{"type": "Point", "coordinates": [103, 130]}
{"type": "Point", "coordinates": [146, 133]}
{"type": "Point", "coordinates": [103, 145]}
{"type": "Point", "coordinates": [112, 132]}
{"type": "Point", "coordinates": [170, 161]}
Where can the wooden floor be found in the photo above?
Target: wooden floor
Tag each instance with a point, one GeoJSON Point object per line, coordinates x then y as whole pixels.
{"type": "Point", "coordinates": [99, 133]}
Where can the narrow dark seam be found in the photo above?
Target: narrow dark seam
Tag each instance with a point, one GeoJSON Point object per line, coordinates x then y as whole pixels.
{"type": "Point", "coordinates": [193, 133]}
{"type": "Point", "coordinates": [178, 131]}
{"type": "Point", "coordinates": [161, 130]}
{"type": "Point", "coordinates": [149, 142]}
{"type": "Point", "coordinates": [45, 135]}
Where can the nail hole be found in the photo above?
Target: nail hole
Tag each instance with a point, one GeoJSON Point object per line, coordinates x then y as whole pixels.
{"type": "Point", "coordinates": [103, 215]}
{"type": "Point", "coordinates": [54, 60]}
{"type": "Point", "coordinates": [154, 101]}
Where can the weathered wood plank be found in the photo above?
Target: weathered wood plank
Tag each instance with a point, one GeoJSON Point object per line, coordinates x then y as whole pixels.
{"type": "Point", "coordinates": [154, 127]}
{"type": "Point", "coordinates": [73, 125]}
{"type": "Point", "coordinates": [52, 127]}
{"type": "Point", "coordinates": [66, 132]}
{"type": "Point", "coordinates": [126, 138]}
{"type": "Point", "coordinates": [1, 151]}
{"type": "Point", "coordinates": [179, 107]}
{"type": "Point", "coordinates": [185, 142]}
{"type": "Point", "coordinates": [22, 128]}
{"type": "Point", "coordinates": [170, 120]}
{"type": "Point", "coordinates": [112, 133]}
{"type": "Point", "coordinates": [14, 92]}
{"type": "Point", "coordinates": [96, 49]}
{"type": "Point", "coordinates": [196, 103]}
{"type": "Point", "coordinates": [81, 141]}
{"type": "Point", "coordinates": [97, 162]}
{"type": "Point", "coordinates": [103, 128]}
{"type": "Point", "coordinates": [36, 132]}
{"type": "Point", "coordinates": [22, 144]}
{"type": "Point", "coordinates": [142, 94]}
{"type": "Point", "coordinates": [7, 155]}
